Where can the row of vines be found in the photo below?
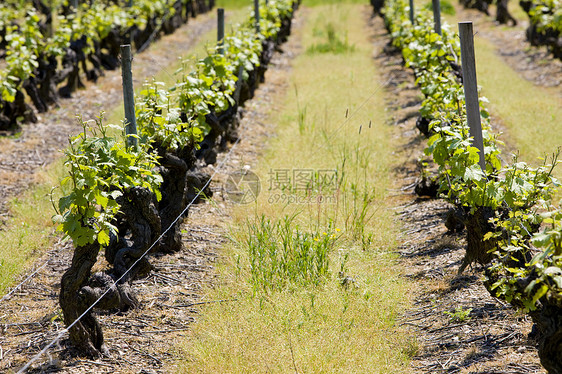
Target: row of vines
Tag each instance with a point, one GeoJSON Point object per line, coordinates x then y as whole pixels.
{"type": "Point", "coordinates": [46, 48]}
{"type": "Point", "coordinates": [502, 13]}
{"type": "Point", "coordinates": [129, 201]}
{"type": "Point", "coordinates": [545, 20]}
{"type": "Point", "coordinates": [545, 27]}
{"type": "Point", "coordinates": [512, 227]}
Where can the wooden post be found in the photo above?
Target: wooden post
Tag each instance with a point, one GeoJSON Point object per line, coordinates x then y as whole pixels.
{"type": "Point", "coordinates": [128, 95]}
{"type": "Point", "coordinates": [236, 95]}
{"type": "Point", "coordinates": [412, 11]}
{"type": "Point", "coordinates": [437, 15]}
{"type": "Point", "coordinates": [471, 88]}
{"type": "Point", "coordinates": [128, 4]}
{"type": "Point", "coordinates": [257, 14]}
{"type": "Point", "coordinates": [220, 30]}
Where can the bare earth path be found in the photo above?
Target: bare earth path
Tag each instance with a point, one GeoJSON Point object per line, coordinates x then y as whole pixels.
{"type": "Point", "coordinates": [40, 143]}
{"type": "Point", "coordinates": [145, 340]}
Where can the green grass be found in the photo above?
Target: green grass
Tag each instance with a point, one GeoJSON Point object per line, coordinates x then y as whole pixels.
{"type": "Point", "coordinates": [237, 4]}
{"type": "Point", "coordinates": [234, 4]}
{"type": "Point", "coordinates": [445, 6]}
{"type": "Point", "coordinates": [313, 287]}
{"type": "Point", "coordinates": [29, 231]}
{"type": "Point", "coordinates": [332, 41]}
{"type": "Point", "coordinates": [322, 3]}
{"type": "Point", "coordinates": [281, 255]}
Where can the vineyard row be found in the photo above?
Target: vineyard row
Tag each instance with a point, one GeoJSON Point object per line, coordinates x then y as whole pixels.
{"type": "Point", "coordinates": [44, 54]}
{"type": "Point", "coordinates": [129, 200]}
{"type": "Point", "coordinates": [545, 18]}
{"type": "Point", "coordinates": [545, 27]}
{"type": "Point", "coordinates": [512, 227]}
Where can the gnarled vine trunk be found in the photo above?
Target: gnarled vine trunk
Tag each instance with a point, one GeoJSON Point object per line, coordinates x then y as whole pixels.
{"type": "Point", "coordinates": [86, 334]}
{"type": "Point", "coordinates": [427, 187]}
{"type": "Point", "coordinates": [80, 289]}
{"type": "Point", "coordinates": [549, 323]}
{"type": "Point", "coordinates": [477, 225]}
{"type": "Point", "coordinates": [173, 171]}
{"type": "Point", "coordinates": [481, 5]}
{"type": "Point", "coordinates": [502, 13]}
{"type": "Point", "coordinates": [141, 226]}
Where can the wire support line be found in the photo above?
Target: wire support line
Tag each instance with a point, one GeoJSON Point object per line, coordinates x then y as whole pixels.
{"type": "Point", "coordinates": [60, 335]}
{"type": "Point", "coordinates": [5, 297]}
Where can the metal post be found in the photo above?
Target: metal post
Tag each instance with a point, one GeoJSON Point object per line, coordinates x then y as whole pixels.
{"type": "Point", "coordinates": [74, 4]}
{"type": "Point", "coordinates": [257, 14]}
{"type": "Point", "coordinates": [471, 89]}
{"type": "Point", "coordinates": [220, 30]}
{"type": "Point", "coordinates": [437, 15]}
{"type": "Point", "coordinates": [128, 96]}
{"type": "Point", "coordinates": [412, 11]}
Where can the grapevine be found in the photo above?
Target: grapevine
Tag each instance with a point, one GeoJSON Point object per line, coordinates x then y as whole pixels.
{"type": "Point", "coordinates": [503, 206]}
{"type": "Point", "coordinates": [127, 202]}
